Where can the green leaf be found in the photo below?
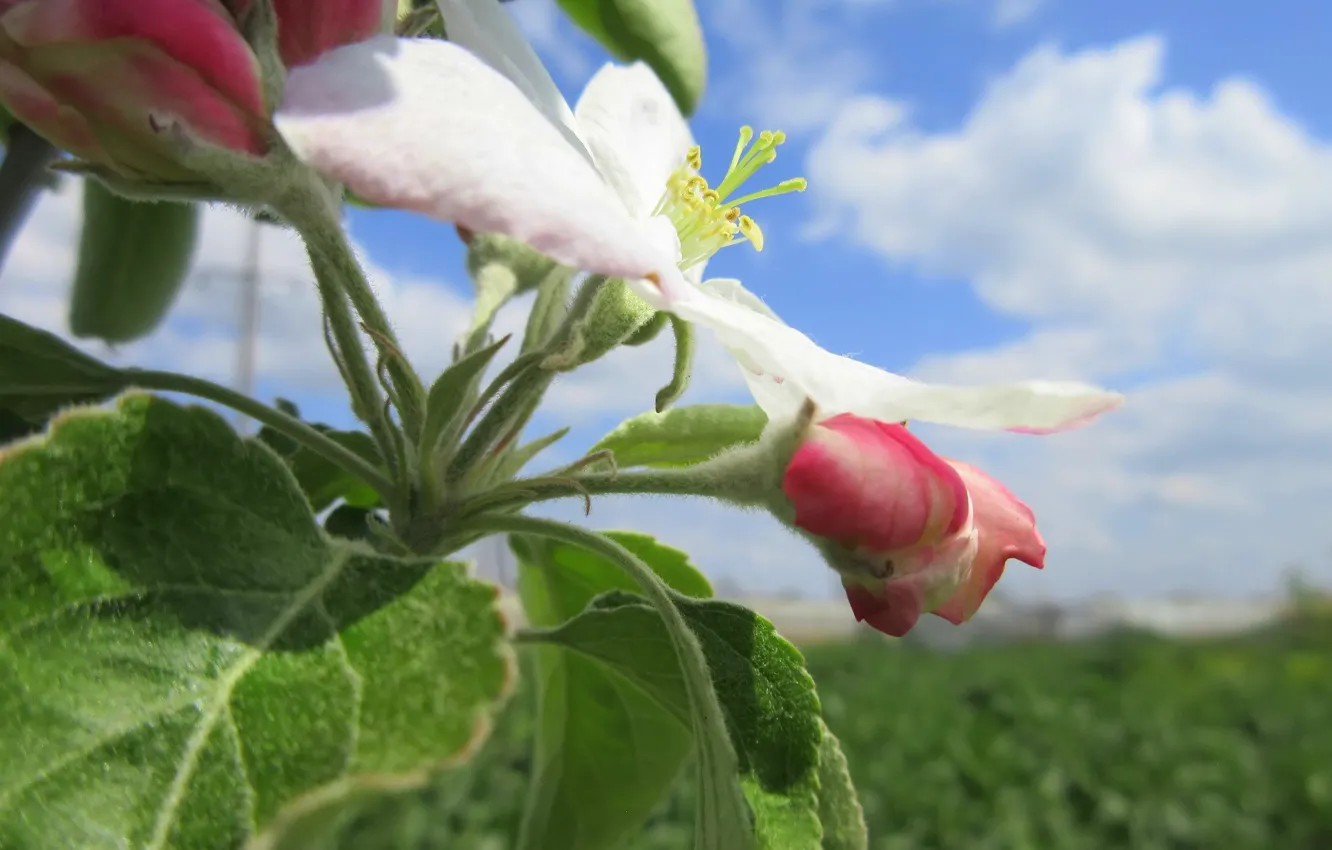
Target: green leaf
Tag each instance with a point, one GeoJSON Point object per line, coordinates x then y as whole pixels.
{"type": "Point", "coordinates": [14, 427]}
{"type": "Point", "coordinates": [788, 820]}
{"type": "Point", "coordinates": [839, 808]}
{"type": "Point", "coordinates": [451, 393]}
{"type": "Point", "coordinates": [184, 651]}
{"type": "Point", "coordinates": [772, 712]}
{"type": "Point", "coordinates": [514, 460]}
{"type": "Point", "coordinates": [771, 708]}
{"type": "Point", "coordinates": [663, 33]}
{"type": "Point", "coordinates": [683, 436]}
{"type": "Point", "coordinates": [683, 368]}
{"type": "Point", "coordinates": [321, 480]}
{"type": "Point", "coordinates": [41, 373]}
{"type": "Point", "coordinates": [133, 258]}
{"type": "Point", "coordinates": [389, 813]}
{"type": "Point", "coordinates": [606, 753]}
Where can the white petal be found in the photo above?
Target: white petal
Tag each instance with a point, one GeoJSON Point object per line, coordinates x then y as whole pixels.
{"type": "Point", "coordinates": [635, 132]}
{"type": "Point", "coordinates": [733, 290]}
{"type": "Point", "coordinates": [424, 125]}
{"type": "Point", "coordinates": [783, 366]}
{"type": "Point", "coordinates": [488, 30]}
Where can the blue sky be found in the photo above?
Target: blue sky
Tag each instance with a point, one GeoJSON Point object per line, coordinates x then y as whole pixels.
{"type": "Point", "coordinates": [1137, 194]}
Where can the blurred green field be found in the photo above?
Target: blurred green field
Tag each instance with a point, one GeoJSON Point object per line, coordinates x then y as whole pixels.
{"type": "Point", "coordinates": [1128, 741]}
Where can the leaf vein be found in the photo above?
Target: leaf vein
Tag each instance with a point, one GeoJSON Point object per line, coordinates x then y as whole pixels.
{"type": "Point", "coordinates": [221, 697]}
{"type": "Point", "coordinates": [357, 683]}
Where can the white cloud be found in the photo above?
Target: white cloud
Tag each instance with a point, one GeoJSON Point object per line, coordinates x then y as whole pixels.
{"type": "Point", "coordinates": [1008, 13]}
{"type": "Point", "coordinates": [1172, 243]}
{"type": "Point", "coordinates": [790, 64]}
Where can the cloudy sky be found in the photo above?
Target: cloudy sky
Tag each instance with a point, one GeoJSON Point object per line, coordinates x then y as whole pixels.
{"type": "Point", "coordinates": [1137, 194]}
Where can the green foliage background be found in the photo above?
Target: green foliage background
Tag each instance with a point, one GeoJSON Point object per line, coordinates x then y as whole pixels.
{"type": "Point", "coordinates": [1123, 742]}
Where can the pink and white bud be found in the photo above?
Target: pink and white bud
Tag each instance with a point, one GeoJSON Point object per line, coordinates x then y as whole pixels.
{"type": "Point", "coordinates": [309, 28]}
{"type": "Point", "coordinates": [100, 78]}
{"type": "Point", "coordinates": [910, 531]}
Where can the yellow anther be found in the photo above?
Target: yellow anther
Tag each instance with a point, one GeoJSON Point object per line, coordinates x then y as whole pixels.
{"type": "Point", "coordinates": [707, 218]}
{"type": "Point", "coordinates": [752, 231]}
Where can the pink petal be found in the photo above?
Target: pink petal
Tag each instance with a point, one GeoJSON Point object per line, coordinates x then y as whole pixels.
{"type": "Point", "coordinates": [307, 29]}
{"type": "Point", "coordinates": [893, 610]}
{"type": "Point", "coordinates": [424, 125]}
{"type": "Point", "coordinates": [121, 89]}
{"type": "Point", "coordinates": [873, 487]}
{"type": "Point", "coordinates": [35, 106]}
{"type": "Point", "coordinates": [199, 34]}
{"type": "Point", "coordinates": [1005, 528]}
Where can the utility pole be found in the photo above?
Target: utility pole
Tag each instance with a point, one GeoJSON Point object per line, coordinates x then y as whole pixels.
{"type": "Point", "coordinates": [248, 342]}
{"type": "Point", "coordinates": [251, 284]}
{"type": "Point", "coordinates": [503, 563]}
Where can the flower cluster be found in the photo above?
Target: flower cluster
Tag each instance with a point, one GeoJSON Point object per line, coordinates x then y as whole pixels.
{"type": "Point", "coordinates": [474, 132]}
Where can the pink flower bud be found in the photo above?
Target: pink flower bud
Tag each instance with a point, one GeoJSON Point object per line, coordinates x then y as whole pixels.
{"type": "Point", "coordinates": [100, 78]}
{"type": "Point", "coordinates": [873, 487]}
{"type": "Point", "coordinates": [910, 531]}
{"type": "Point", "coordinates": [309, 28]}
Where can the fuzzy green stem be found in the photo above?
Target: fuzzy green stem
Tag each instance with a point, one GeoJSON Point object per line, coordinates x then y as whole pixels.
{"type": "Point", "coordinates": [719, 789]}
{"type": "Point", "coordinates": [409, 392]}
{"type": "Point", "coordinates": [744, 477]}
{"type": "Point", "coordinates": [288, 426]}
{"type": "Point", "coordinates": [564, 343]}
{"type": "Point", "coordinates": [367, 398]}
{"type": "Point", "coordinates": [316, 217]}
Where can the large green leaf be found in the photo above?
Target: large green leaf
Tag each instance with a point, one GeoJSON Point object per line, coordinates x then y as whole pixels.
{"type": "Point", "coordinates": [606, 752]}
{"type": "Point", "coordinates": [183, 651]}
{"type": "Point", "coordinates": [771, 708]}
{"type": "Point", "coordinates": [683, 436]}
{"type": "Point", "coordinates": [769, 698]}
{"type": "Point", "coordinates": [663, 33]}
{"type": "Point", "coordinates": [41, 373]}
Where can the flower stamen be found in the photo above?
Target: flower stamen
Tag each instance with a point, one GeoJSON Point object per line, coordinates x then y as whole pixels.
{"type": "Point", "coordinates": [707, 219]}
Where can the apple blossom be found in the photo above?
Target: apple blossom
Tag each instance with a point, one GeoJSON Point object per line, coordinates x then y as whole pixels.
{"type": "Point", "coordinates": [480, 136]}
{"type": "Point", "coordinates": [908, 530]}
{"type": "Point", "coordinates": [98, 78]}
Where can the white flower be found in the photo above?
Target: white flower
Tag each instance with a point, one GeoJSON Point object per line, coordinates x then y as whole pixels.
{"type": "Point", "coordinates": [475, 132]}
